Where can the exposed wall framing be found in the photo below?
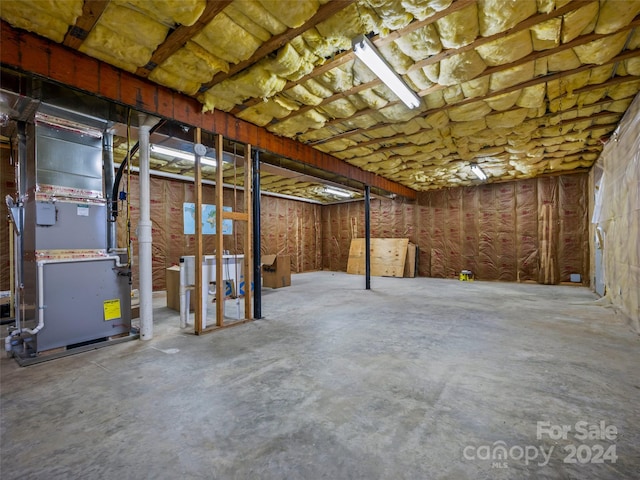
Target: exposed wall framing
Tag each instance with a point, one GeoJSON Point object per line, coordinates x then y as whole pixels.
{"type": "Point", "coordinates": [288, 227]}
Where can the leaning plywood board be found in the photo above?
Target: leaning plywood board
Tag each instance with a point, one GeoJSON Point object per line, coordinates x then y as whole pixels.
{"type": "Point", "coordinates": [410, 265]}
{"type": "Point", "coordinates": [388, 256]}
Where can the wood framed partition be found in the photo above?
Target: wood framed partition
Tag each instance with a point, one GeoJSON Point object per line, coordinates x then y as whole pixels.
{"type": "Point", "coordinates": [222, 215]}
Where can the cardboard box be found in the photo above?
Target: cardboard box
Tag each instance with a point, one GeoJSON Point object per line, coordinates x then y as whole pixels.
{"type": "Point", "coordinates": [173, 289]}
{"type": "Point", "coordinates": [276, 271]}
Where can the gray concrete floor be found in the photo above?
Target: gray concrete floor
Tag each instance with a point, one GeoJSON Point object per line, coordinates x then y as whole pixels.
{"type": "Point", "coordinates": [416, 379]}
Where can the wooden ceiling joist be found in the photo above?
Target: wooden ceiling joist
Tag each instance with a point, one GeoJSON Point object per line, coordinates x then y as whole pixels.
{"type": "Point", "coordinates": [583, 40]}
{"type": "Point", "coordinates": [378, 41]}
{"type": "Point", "coordinates": [529, 83]}
{"type": "Point", "coordinates": [277, 41]}
{"type": "Point", "coordinates": [338, 60]}
{"type": "Point", "coordinates": [415, 25]}
{"type": "Point", "coordinates": [181, 35]}
{"type": "Point", "coordinates": [91, 12]}
{"type": "Point", "coordinates": [613, 81]}
{"type": "Point", "coordinates": [27, 52]}
{"type": "Point", "coordinates": [455, 51]}
{"type": "Point", "coordinates": [524, 25]}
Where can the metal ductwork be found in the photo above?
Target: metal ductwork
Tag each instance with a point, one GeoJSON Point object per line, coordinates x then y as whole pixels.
{"type": "Point", "coordinates": [74, 292]}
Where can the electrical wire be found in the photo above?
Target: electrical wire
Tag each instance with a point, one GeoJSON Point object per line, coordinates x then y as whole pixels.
{"type": "Point", "coordinates": [128, 188]}
{"type": "Point", "coordinates": [130, 153]}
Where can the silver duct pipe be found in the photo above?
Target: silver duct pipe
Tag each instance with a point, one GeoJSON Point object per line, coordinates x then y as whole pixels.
{"type": "Point", "coordinates": [109, 178]}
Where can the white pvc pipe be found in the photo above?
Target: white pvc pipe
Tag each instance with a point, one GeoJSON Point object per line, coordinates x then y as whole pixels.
{"type": "Point", "coordinates": [40, 301]}
{"type": "Point", "coordinates": [144, 237]}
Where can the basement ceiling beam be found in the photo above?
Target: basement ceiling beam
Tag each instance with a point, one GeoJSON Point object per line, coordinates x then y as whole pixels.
{"type": "Point", "coordinates": [529, 83]}
{"type": "Point", "coordinates": [35, 55]}
{"type": "Point", "coordinates": [338, 60]}
{"type": "Point", "coordinates": [91, 12]}
{"type": "Point", "coordinates": [524, 25]}
{"type": "Point", "coordinates": [181, 35]}
{"type": "Point", "coordinates": [413, 26]}
{"type": "Point", "coordinates": [455, 51]}
{"type": "Point", "coordinates": [378, 41]}
{"type": "Point", "coordinates": [277, 41]}
{"type": "Point", "coordinates": [403, 136]}
{"type": "Point", "coordinates": [582, 40]}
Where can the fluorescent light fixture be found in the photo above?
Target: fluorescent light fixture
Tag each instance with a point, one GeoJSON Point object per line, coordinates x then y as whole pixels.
{"type": "Point", "coordinates": [367, 53]}
{"type": "Point", "coordinates": [337, 192]}
{"type": "Point", "coordinates": [475, 168]}
{"type": "Point", "coordinates": [171, 152]}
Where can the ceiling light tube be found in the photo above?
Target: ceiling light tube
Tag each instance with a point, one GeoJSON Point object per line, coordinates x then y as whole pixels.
{"type": "Point", "coordinates": [475, 168]}
{"type": "Point", "coordinates": [337, 192]}
{"type": "Point", "coordinates": [170, 152]}
{"type": "Point", "coordinates": [369, 55]}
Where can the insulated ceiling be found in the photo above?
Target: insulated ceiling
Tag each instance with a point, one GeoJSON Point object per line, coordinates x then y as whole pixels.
{"type": "Point", "coordinates": [521, 87]}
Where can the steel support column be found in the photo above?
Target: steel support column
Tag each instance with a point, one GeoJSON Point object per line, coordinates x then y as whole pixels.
{"type": "Point", "coordinates": [257, 267]}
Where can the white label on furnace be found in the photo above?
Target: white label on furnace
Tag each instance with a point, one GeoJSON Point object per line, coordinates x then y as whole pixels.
{"type": "Point", "coordinates": [83, 210]}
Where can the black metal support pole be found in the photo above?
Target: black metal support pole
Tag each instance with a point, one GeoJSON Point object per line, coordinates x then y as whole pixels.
{"type": "Point", "coordinates": [367, 236]}
{"type": "Point", "coordinates": [257, 267]}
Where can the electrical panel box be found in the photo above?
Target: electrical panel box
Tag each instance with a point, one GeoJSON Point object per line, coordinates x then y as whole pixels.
{"type": "Point", "coordinates": [45, 214]}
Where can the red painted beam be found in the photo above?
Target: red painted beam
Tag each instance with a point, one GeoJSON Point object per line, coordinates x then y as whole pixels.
{"type": "Point", "coordinates": [36, 55]}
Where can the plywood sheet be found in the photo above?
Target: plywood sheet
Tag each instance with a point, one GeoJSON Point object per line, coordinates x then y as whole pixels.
{"type": "Point", "coordinates": [388, 256]}
{"type": "Point", "coordinates": [411, 263]}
